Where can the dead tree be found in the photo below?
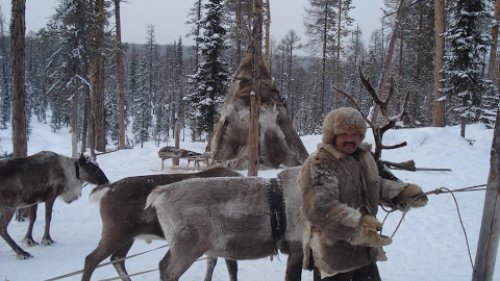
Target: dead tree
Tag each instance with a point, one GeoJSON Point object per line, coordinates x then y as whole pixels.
{"type": "Point", "coordinates": [388, 60]}
{"type": "Point", "coordinates": [487, 247]}
{"type": "Point", "coordinates": [253, 130]}
{"type": "Point", "coordinates": [379, 130]}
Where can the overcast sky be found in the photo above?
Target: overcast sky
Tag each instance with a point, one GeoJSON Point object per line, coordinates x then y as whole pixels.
{"type": "Point", "coordinates": [169, 17]}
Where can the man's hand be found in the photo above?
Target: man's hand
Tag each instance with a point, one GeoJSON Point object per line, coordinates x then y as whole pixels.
{"type": "Point", "coordinates": [366, 233]}
{"type": "Point", "coordinates": [411, 196]}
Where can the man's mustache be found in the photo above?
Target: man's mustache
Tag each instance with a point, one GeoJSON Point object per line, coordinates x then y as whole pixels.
{"type": "Point", "coordinates": [349, 143]}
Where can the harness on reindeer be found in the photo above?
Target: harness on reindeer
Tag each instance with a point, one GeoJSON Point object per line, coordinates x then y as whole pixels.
{"type": "Point", "coordinates": [277, 211]}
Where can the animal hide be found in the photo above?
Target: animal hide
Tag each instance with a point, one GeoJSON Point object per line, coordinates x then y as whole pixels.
{"type": "Point", "coordinates": [279, 142]}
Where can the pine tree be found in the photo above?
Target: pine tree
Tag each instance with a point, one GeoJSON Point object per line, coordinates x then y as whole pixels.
{"type": "Point", "coordinates": [212, 77]}
{"type": "Point", "coordinates": [168, 85]}
{"type": "Point", "coordinates": [147, 94]}
{"type": "Point", "coordinates": [320, 26]}
{"type": "Point", "coordinates": [39, 49]}
{"type": "Point", "coordinates": [132, 83]}
{"type": "Point", "coordinates": [287, 46]}
{"type": "Point", "coordinates": [194, 18]}
{"type": "Point", "coordinates": [68, 65]}
{"type": "Point", "coordinates": [464, 65]}
{"type": "Point", "coordinates": [142, 108]}
{"type": "Point", "coordinates": [179, 82]}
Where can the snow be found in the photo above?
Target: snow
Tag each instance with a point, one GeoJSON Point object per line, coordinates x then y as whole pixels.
{"type": "Point", "coordinates": [428, 245]}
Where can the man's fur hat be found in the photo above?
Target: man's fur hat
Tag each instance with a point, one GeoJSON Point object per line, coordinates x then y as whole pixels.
{"type": "Point", "coordinates": [341, 121]}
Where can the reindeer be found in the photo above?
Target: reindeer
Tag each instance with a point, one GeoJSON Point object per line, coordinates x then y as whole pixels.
{"type": "Point", "coordinates": [231, 218]}
{"type": "Point", "coordinates": [41, 177]}
{"type": "Point", "coordinates": [125, 219]}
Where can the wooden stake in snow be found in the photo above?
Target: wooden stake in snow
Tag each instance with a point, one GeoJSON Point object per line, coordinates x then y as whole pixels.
{"type": "Point", "coordinates": [487, 246]}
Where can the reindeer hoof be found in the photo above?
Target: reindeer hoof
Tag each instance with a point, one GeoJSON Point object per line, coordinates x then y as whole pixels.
{"type": "Point", "coordinates": [24, 255]}
{"type": "Point", "coordinates": [48, 242]}
{"type": "Point", "coordinates": [29, 242]}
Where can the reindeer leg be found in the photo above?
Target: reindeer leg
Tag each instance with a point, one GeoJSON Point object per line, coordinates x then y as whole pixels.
{"type": "Point", "coordinates": [294, 265]}
{"type": "Point", "coordinates": [28, 238]}
{"type": "Point", "coordinates": [108, 245]}
{"type": "Point", "coordinates": [6, 215]}
{"type": "Point", "coordinates": [232, 268]}
{"type": "Point", "coordinates": [47, 240]}
{"type": "Point", "coordinates": [211, 262]}
{"type": "Point", "coordinates": [118, 259]}
{"type": "Point", "coordinates": [172, 266]}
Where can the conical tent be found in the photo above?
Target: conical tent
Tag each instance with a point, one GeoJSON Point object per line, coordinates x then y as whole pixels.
{"type": "Point", "coordinates": [279, 143]}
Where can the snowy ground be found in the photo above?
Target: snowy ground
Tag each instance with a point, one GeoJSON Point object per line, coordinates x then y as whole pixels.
{"type": "Point", "coordinates": [429, 244]}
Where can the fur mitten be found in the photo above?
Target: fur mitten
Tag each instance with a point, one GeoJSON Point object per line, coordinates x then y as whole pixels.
{"type": "Point", "coordinates": [411, 196]}
{"type": "Point", "coordinates": [366, 233]}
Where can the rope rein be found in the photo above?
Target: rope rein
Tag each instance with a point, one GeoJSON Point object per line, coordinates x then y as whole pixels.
{"type": "Point", "coordinates": [437, 191]}
{"type": "Point", "coordinates": [115, 261]}
{"type": "Point", "coordinates": [103, 264]}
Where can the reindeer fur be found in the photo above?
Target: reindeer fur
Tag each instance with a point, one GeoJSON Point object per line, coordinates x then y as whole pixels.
{"type": "Point", "coordinates": [125, 219]}
{"type": "Point", "coordinates": [42, 177]}
{"type": "Point", "coordinates": [226, 218]}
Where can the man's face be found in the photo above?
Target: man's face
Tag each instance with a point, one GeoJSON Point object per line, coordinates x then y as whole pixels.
{"type": "Point", "coordinates": [348, 143]}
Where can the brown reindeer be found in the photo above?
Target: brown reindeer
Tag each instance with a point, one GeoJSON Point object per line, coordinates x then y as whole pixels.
{"type": "Point", "coordinates": [41, 177]}
{"type": "Point", "coordinates": [125, 219]}
{"type": "Point", "coordinates": [229, 218]}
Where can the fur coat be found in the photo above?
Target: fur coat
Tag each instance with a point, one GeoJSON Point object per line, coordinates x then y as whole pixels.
{"type": "Point", "coordinates": [336, 191]}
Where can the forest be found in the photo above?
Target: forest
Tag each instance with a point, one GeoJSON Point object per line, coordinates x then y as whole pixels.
{"type": "Point", "coordinates": [434, 63]}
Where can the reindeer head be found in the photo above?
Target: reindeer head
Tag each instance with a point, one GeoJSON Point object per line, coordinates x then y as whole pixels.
{"type": "Point", "coordinates": [89, 171]}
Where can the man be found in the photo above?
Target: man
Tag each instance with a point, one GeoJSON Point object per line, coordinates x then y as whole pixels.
{"type": "Point", "coordinates": [340, 193]}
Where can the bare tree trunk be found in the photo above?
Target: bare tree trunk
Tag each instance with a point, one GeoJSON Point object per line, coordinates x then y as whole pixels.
{"type": "Point", "coordinates": [439, 103]}
{"type": "Point", "coordinates": [253, 143]}
{"type": "Point", "coordinates": [492, 65]}
{"type": "Point", "coordinates": [413, 105]}
{"type": "Point", "coordinates": [289, 83]}
{"type": "Point", "coordinates": [74, 122]}
{"type": "Point", "coordinates": [97, 77]}
{"type": "Point", "coordinates": [489, 234]}
{"type": "Point", "coordinates": [323, 63]}
{"type": "Point", "coordinates": [86, 120]}
{"type": "Point", "coordinates": [4, 106]}
{"type": "Point", "coordinates": [197, 44]}
{"type": "Point", "coordinates": [177, 139]}
{"type": "Point", "coordinates": [194, 132]}
{"type": "Point", "coordinates": [121, 79]}
{"type": "Point", "coordinates": [19, 130]}
{"type": "Point", "coordinates": [239, 29]}
{"type": "Point", "coordinates": [381, 89]}
{"type": "Point", "coordinates": [337, 66]}
{"type": "Point", "coordinates": [267, 45]}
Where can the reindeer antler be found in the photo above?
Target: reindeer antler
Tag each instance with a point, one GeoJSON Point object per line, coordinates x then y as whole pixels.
{"type": "Point", "coordinates": [377, 131]}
